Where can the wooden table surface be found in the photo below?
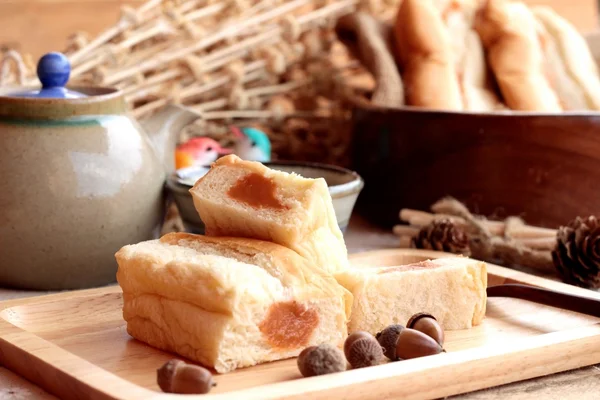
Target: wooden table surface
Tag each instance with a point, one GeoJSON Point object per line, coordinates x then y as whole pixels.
{"type": "Point", "coordinates": [581, 384]}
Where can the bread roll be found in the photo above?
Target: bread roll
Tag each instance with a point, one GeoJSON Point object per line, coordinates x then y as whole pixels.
{"type": "Point", "coordinates": [442, 57]}
{"type": "Point", "coordinates": [474, 78]}
{"type": "Point", "coordinates": [246, 199]}
{"type": "Point", "coordinates": [228, 303]}
{"type": "Point", "coordinates": [425, 56]}
{"type": "Point", "coordinates": [572, 71]}
{"type": "Point", "coordinates": [451, 289]}
{"type": "Point", "coordinates": [509, 32]}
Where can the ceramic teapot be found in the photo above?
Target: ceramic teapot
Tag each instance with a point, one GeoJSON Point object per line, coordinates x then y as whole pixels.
{"type": "Point", "coordinates": [80, 179]}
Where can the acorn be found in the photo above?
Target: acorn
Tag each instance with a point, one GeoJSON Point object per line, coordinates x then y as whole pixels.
{"type": "Point", "coordinates": [413, 344]}
{"type": "Point", "coordinates": [176, 376]}
{"type": "Point", "coordinates": [427, 324]}
{"type": "Point", "coordinates": [321, 360]}
{"type": "Point", "coordinates": [362, 350]}
{"type": "Point", "coordinates": [388, 338]}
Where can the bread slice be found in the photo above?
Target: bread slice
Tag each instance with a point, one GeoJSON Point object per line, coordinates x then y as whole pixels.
{"type": "Point", "coordinates": [509, 33]}
{"type": "Point", "coordinates": [228, 303]}
{"type": "Point", "coordinates": [246, 199]}
{"type": "Point", "coordinates": [452, 289]}
{"type": "Point", "coordinates": [569, 62]}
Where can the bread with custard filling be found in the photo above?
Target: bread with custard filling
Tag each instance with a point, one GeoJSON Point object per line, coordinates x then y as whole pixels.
{"type": "Point", "coordinates": [247, 199]}
{"type": "Point", "coordinates": [228, 303]}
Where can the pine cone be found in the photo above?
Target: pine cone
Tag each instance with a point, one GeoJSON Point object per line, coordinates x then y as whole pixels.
{"type": "Point", "coordinates": [443, 235]}
{"type": "Point", "coordinates": [577, 252]}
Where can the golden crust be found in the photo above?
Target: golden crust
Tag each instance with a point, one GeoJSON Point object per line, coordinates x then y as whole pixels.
{"type": "Point", "coordinates": [424, 53]}
{"type": "Point", "coordinates": [441, 56]}
{"type": "Point", "coordinates": [509, 34]}
{"type": "Point", "coordinates": [292, 270]}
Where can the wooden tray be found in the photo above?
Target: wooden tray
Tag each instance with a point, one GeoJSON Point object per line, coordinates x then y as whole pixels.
{"type": "Point", "coordinates": [75, 346]}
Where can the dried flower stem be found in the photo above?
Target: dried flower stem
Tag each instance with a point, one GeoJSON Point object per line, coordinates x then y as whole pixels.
{"type": "Point", "coordinates": [252, 114]}
{"type": "Point", "coordinates": [230, 30]}
{"type": "Point", "coordinates": [122, 25]}
{"type": "Point", "coordinates": [277, 89]}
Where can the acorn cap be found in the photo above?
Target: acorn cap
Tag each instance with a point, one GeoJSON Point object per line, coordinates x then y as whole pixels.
{"type": "Point", "coordinates": [388, 338]}
{"type": "Point", "coordinates": [413, 320]}
{"type": "Point", "coordinates": [365, 352]}
{"type": "Point", "coordinates": [320, 360]}
{"type": "Point", "coordinates": [427, 324]}
{"type": "Point", "coordinates": [352, 338]}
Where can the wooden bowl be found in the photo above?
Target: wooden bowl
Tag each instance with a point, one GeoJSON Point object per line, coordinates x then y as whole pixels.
{"type": "Point", "coordinates": [545, 168]}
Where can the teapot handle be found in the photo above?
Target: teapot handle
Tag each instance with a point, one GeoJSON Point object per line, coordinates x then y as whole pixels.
{"type": "Point", "coordinates": [163, 130]}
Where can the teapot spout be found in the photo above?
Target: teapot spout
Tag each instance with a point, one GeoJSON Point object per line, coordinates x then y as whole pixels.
{"type": "Point", "coordinates": [163, 129]}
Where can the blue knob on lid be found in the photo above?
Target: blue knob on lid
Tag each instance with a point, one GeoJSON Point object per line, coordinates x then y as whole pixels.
{"type": "Point", "coordinates": [53, 71]}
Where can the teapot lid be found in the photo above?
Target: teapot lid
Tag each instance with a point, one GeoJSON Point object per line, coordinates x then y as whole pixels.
{"type": "Point", "coordinates": [53, 71]}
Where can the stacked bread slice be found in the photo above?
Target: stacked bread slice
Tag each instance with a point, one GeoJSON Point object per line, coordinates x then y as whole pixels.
{"type": "Point", "coordinates": [257, 287]}
{"type": "Point", "coordinates": [246, 199]}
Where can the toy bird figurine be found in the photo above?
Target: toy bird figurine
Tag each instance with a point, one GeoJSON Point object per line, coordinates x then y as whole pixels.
{"type": "Point", "coordinates": [252, 144]}
{"type": "Point", "coordinates": [198, 152]}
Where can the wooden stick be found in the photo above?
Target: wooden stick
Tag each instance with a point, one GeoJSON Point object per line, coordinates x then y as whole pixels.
{"type": "Point", "coordinates": [196, 90]}
{"type": "Point", "coordinates": [190, 5]}
{"type": "Point", "coordinates": [421, 218]}
{"type": "Point", "coordinates": [539, 243]}
{"type": "Point", "coordinates": [160, 28]}
{"type": "Point", "coordinates": [548, 244]}
{"type": "Point", "coordinates": [110, 33]}
{"type": "Point", "coordinates": [247, 114]}
{"type": "Point", "coordinates": [208, 11]}
{"type": "Point", "coordinates": [17, 61]}
{"type": "Point", "coordinates": [276, 89]}
{"type": "Point", "coordinates": [404, 230]}
{"type": "Point", "coordinates": [327, 11]}
{"type": "Point", "coordinates": [265, 38]}
{"type": "Point", "coordinates": [232, 29]}
{"type": "Point", "coordinates": [156, 80]}
{"type": "Point", "coordinates": [405, 242]}
{"type": "Point", "coordinates": [211, 105]}
{"type": "Point", "coordinates": [259, 6]}
{"type": "Point", "coordinates": [242, 48]}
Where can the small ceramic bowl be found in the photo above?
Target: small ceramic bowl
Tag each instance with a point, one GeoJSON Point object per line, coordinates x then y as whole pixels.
{"type": "Point", "coordinates": [344, 187]}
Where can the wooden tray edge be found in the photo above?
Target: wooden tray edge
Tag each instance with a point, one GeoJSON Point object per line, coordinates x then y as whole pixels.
{"type": "Point", "coordinates": [561, 351]}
